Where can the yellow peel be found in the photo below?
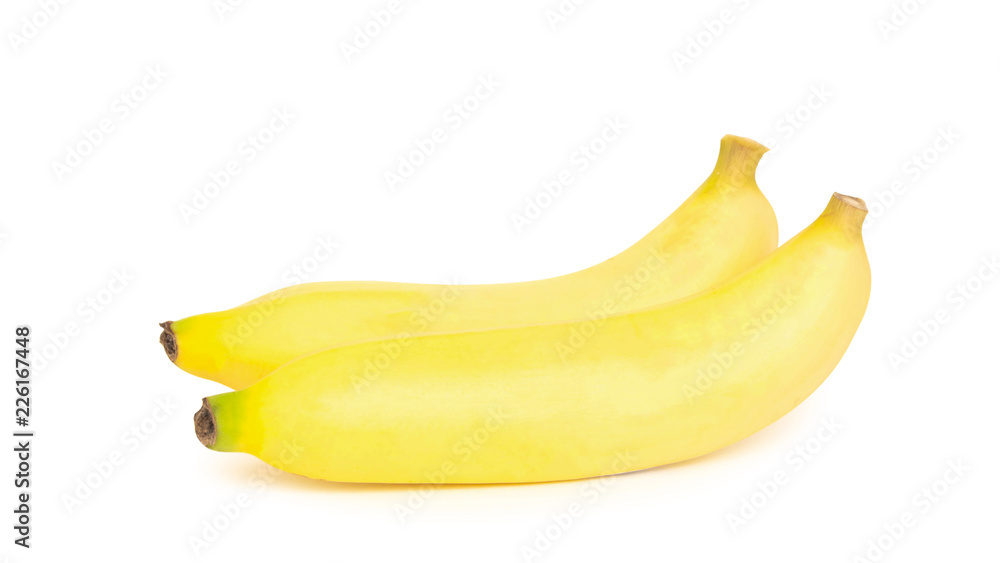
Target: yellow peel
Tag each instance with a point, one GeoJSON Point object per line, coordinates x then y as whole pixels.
{"type": "Point", "coordinates": [528, 404]}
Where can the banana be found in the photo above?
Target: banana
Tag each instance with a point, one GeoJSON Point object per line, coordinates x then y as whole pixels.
{"type": "Point", "coordinates": [723, 228]}
{"type": "Point", "coordinates": [513, 405]}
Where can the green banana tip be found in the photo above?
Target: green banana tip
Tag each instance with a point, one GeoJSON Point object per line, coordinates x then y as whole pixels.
{"type": "Point", "coordinates": [169, 340]}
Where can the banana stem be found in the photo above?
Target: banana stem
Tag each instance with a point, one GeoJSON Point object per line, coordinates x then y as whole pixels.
{"type": "Point", "coordinates": [738, 159]}
{"type": "Point", "coordinates": [848, 211]}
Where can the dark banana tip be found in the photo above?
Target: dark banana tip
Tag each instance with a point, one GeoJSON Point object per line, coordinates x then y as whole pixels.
{"type": "Point", "coordinates": [204, 424]}
{"type": "Point", "coordinates": [169, 340]}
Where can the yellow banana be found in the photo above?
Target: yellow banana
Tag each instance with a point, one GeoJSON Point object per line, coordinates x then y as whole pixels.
{"type": "Point", "coordinates": [723, 228]}
{"type": "Point", "coordinates": [639, 390]}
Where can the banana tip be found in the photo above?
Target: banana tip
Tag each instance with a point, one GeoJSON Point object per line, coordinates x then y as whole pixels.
{"type": "Point", "coordinates": [169, 340]}
{"type": "Point", "coordinates": [204, 424]}
{"type": "Point", "coordinates": [847, 211]}
{"type": "Point", "coordinates": [744, 143]}
{"type": "Point", "coordinates": [738, 158]}
{"type": "Point", "coordinates": [855, 202]}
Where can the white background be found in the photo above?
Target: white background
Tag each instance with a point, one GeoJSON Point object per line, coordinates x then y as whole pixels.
{"type": "Point", "coordinates": [65, 235]}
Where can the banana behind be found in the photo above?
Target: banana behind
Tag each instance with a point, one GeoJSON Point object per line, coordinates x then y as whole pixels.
{"type": "Point", "coordinates": [723, 228]}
